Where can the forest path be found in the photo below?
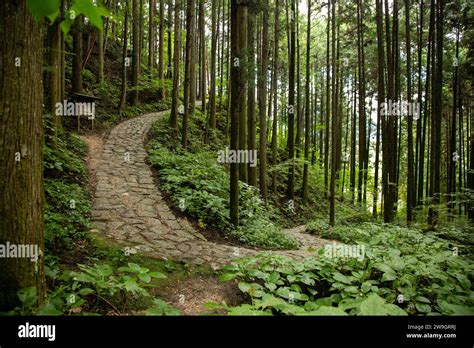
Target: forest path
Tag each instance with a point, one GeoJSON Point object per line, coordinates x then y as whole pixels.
{"type": "Point", "coordinates": [129, 208]}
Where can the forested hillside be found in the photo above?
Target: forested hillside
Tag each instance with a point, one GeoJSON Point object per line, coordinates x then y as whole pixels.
{"type": "Point", "coordinates": [236, 157]}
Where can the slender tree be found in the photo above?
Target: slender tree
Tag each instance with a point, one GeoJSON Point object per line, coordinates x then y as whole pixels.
{"type": "Point", "coordinates": [236, 89]}
{"type": "Point", "coordinates": [189, 71]}
{"type": "Point", "coordinates": [251, 122]}
{"type": "Point", "coordinates": [262, 104]}
{"type": "Point", "coordinates": [410, 164]}
{"type": "Point", "coordinates": [123, 96]}
{"type": "Point", "coordinates": [176, 58]}
{"type": "Point", "coordinates": [212, 92]}
{"type": "Point", "coordinates": [136, 51]}
{"type": "Point", "coordinates": [307, 123]}
{"type": "Point", "coordinates": [291, 104]}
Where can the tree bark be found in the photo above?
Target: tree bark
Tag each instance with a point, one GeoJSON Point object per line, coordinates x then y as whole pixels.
{"type": "Point", "coordinates": [251, 122]}
{"type": "Point", "coordinates": [136, 51]}
{"type": "Point", "coordinates": [189, 71]}
{"type": "Point", "coordinates": [124, 56]}
{"type": "Point", "coordinates": [291, 104]}
{"type": "Point", "coordinates": [236, 89]}
{"type": "Point", "coordinates": [307, 123]}
{"type": "Point", "coordinates": [176, 58]}
{"type": "Point", "coordinates": [21, 150]}
{"type": "Point", "coordinates": [212, 92]}
{"type": "Point", "coordinates": [262, 105]}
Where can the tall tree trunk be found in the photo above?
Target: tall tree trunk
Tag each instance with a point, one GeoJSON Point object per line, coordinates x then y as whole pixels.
{"type": "Point", "coordinates": [136, 51]}
{"type": "Point", "coordinates": [77, 57]}
{"type": "Point", "coordinates": [151, 33]}
{"type": "Point", "coordinates": [291, 105]}
{"type": "Point", "coordinates": [236, 89]}
{"type": "Point", "coordinates": [307, 106]}
{"type": "Point", "coordinates": [353, 141]}
{"type": "Point", "coordinates": [202, 33]}
{"type": "Point", "coordinates": [334, 123]}
{"type": "Point", "coordinates": [417, 183]}
{"type": "Point", "coordinates": [176, 59]}
{"type": "Point", "coordinates": [54, 74]}
{"type": "Point", "coordinates": [424, 109]}
{"type": "Point", "coordinates": [189, 71]}
{"type": "Point", "coordinates": [328, 108]}
{"type": "Point", "coordinates": [169, 69]}
{"type": "Point", "coordinates": [212, 92]}
{"type": "Point", "coordinates": [21, 150]}
{"type": "Point", "coordinates": [251, 125]}
{"type": "Point", "coordinates": [123, 96]}
{"type": "Point", "coordinates": [262, 105]}
{"type": "Point", "coordinates": [437, 106]}
{"type": "Point", "coordinates": [298, 89]}
{"type": "Point", "coordinates": [161, 49]}
{"type": "Point", "coordinates": [244, 80]}
{"type": "Point", "coordinates": [410, 164]}
{"type": "Point", "coordinates": [362, 117]}
{"type": "Point", "coordinates": [276, 48]}
{"type": "Point", "coordinates": [100, 52]}
{"type": "Point", "coordinates": [389, 143]}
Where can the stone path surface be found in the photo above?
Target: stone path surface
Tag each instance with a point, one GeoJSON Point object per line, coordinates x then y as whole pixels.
{"type": "Point", "coordinates": [129, 208]}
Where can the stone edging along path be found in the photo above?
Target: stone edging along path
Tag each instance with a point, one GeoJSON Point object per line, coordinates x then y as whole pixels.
{"type": "Point", "coordinates": [129, 208]}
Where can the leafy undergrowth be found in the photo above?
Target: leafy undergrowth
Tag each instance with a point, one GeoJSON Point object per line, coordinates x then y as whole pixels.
{"type": "Point", "coordinates": [67, 205]}
{"type": "Point", "coordinates": [108, 283]}
{"type": "Point", "coordinates": [199, 186]}
{"type": "Point", "coordinates": [402, 272]}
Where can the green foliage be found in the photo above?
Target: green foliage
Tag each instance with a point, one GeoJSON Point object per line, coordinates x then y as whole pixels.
{"type": "Point", "coordinates": [67, 201]}
{"type": "Point", "coordinates": [45, 8]}
{"type": "Point", "coordinates": [94, 10]}
{"type": "Point", "coordinates": [63, 160]}
{"type": "Point", "coordinates": [66, 209]}
{"type": "Point", "coordinates": [200, 187]}
{"type": "Point", "coordinates": [403, 272]}
{"type": "Point", "coordinates": [161, 308]}
{"type": "Point", "coordinates": [99, 287]}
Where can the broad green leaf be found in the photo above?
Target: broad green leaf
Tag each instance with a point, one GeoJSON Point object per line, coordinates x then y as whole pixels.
{"type": "Point", "coordinates": [375, 305]}
{"type": "Point", "coordinates": [44, 8]}
{"type": "Point", "coordinates": [273, 277]}
{"type": "Point", "coordinates": [464, 281]}
{"type": "Point", "coordinates": [342, 278]}
{"type": "Point", "coordinates": [270, 301]}
{"type": "Point", "coordinates": [366, 287]}
{"type": "Point", "coordinates": [423, 308]}
{"type": "Point", "coordinates": [455, 309]}
{"type": "Point", "coordinates": [389, 276]}
{"type": "Point", "coordinates": [228, 276]}
{"type": "Point", "coordinates": [144, 277]}
{"type": "Point", "coordinates": [134, 267]}
{"type": "Point", "coordinates": [86, 291]}
{"type": "Point", "coordinates": [157, 275]}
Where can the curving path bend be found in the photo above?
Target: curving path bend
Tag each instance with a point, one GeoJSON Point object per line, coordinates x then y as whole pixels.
{"type": "Point", "coordinates": [129, 208]}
